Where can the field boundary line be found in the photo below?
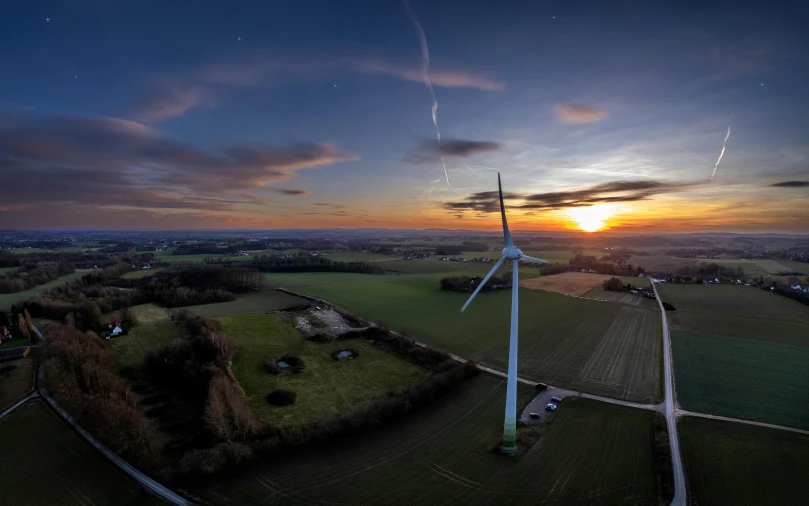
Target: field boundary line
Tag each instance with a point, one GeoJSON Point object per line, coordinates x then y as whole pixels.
{"type": "Point", "coordinates": [697, 414]}
{"type": "Point", "coordinates": [24, 400]}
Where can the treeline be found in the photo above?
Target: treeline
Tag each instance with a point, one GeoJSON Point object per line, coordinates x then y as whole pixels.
{"type": "Point", "coordinates": [587, 263]}
{"type": "Point", "coordinates": [31, 274]}
{"type": "Point", "coordinates": [799, 295]}
{"type": "Point", "coordinates": [549, 269]}
{"type": "Point", "coordinates": [712, 270]}
{"type": "Point", "coordinates": [308, 263]}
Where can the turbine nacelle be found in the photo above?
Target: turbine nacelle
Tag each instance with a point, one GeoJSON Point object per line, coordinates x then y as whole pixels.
{"type": "Point", "coordinates": [512, 253]}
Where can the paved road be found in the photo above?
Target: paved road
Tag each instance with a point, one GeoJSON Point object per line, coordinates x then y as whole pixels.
{"type": "Point", "coordinates": [671, 415]}
{"type": "Point", "coordinates": [685, 412]}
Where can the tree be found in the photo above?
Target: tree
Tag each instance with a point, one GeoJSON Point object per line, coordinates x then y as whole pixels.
{"type": "Point", "coordinates": [23, 326]}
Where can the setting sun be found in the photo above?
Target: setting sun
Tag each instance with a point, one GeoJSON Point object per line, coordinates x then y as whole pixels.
{"type": "Point", "coordinates": [591, 219]}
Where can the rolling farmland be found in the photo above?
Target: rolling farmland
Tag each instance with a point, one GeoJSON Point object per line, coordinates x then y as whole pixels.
{"type": "Point", "coordinates": [736, 465]}
{"type": "Point", "coordinates": [253, 302]}
{"type": "Point", "coordinates": [775, 266]}
{"type": "Point", "coordinates": [442, 456]}
{"type": "Point", "coordinates": [568, 283]}
{"type": "Point", "coordinates": [742, 378]}
{"type": "Point", "coordinates": [44, 462]}
{"type": "Point", "coordinates": [615, 351]}
{"type": "Point", "coordinates": [7, 299]}
{"type": "Point", "coordinates": [327, 386]}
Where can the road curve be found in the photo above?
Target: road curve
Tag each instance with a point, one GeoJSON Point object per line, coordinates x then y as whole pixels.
{"type": "Point", "coordinates": [671, 414]}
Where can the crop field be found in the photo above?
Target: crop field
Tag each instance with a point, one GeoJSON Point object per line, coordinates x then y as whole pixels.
{"type": "Point", "coordinates": [733, 300]}
{"type": "Point", "coordinates": [662, 263]}
{"type": "Point", "coordinates": [326, 386]}
{"type": "Point", "coordinates": [569, 283]}
{"type": "Point", "coordinates": [742, 378]}
{"type": "Point", "coordinates": [774, 266]}
{"type": "Point", "coordinates": [254, 302]}
{"type": "Point", "coordinates": [794, 266]}
{"type": "Point", "coordinates": [153, 332]}
{"type": "Point", "coordinates": [7, 299]}
{"type": "Point", "coordinates": [358, 256]}
{"type": "Point", "coordinates": [44, 462]}
{"type": "Point", "coordinates": [736, 465]}
{"type": "Point", "coordinates": [16, 377]}
{"type": "Point", "coordinates": [141, 273]}
{"type": "Point", "coordinates": [594, 346]}
{"type": "Point", "coordinates": [750, 268]}
{"type": "Point", "coordinates": [589, 452]}
{"type": "Point", "coordinates": [621, 298]}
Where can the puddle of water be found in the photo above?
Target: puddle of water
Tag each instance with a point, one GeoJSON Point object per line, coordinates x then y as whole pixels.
{"type": "Point", "coordinates": [282, 364]}
{"type": "Point", "coordinates": [344, 354]}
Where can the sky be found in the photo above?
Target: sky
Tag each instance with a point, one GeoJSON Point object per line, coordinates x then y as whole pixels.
{"type": "Point", "coordinates": [599, 116]}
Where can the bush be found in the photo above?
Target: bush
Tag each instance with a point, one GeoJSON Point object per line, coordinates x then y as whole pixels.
{"type": "Point", "coordinates": [669, 307]}
{"type": "Point", "coordinates": [210, 460]}
{"type": "Point", "coordinates": [271, 367]}
{"type": "Point", "coordinates": [282, 397]}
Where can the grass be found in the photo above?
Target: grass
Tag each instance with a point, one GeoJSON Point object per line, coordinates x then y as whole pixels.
{"type": "Point", "coordinates": [750, 268]}
{"type": "Point", "coordinates": [792, 265]}
{"type": "Point", "coordinates": [598, 347]}
{"type": "Point", "coordinates": [5, 270]}
{"type": "Point", "coordinates": [354, 256]}
{"type": "Point", "coordinates": [742, 378]}
{"type": "Point", "coordinates": [141, 273]}
{"type": "Point", "coordinates": [17, 342]}
{"type": "Point", "coordinates": [8, 299]}
{"type": "Point", "coordinates": [589, 452]}
{"type": "Point", "coordinates": [736, 464]}
{"type": "Point", "coordinates": [17, 382]}
{"type": "Point", "coordinates": [200, 258]}
{"type": "Point", "coordinates": [153, 331]}
{"type": "Point", "coordinates": [326, 387]}
{"type": "Point", "coordinates": [45, 463]}
{"type": "Point", "coordinates": [254, 302]}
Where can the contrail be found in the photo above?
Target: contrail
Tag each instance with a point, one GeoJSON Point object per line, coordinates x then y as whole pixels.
{"type": "Point", "coordinates": [425, 66]}
{"type": "Point", "coordinates": [723, 149]}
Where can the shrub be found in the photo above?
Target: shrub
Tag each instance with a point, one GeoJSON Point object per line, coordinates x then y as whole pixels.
{"type": "Point", "coordinates": [282, 397]}
{"type": "Point", "coordinates": [210, 460]}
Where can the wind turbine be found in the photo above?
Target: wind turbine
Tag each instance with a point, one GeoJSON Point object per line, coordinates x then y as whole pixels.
{"type": "Point", "coordinates": [513, 253]}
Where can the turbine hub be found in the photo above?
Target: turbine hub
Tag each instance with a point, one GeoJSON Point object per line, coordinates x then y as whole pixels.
{"type": "Point", "coordinates": [512, 253]}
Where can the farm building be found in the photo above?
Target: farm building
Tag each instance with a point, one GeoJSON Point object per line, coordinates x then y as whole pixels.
{"type": "Point", "coordinates": [5, 334]}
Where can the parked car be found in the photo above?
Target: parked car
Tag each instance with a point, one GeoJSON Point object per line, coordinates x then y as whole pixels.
{"type": "Point", "coordinates": [541, 386]}
{"type": "Point", "coordinates": [550, 407]}
{"type": "Point", "coordinates": [533, 415]}
{"type": "Point", "coordinates": [556, 399]}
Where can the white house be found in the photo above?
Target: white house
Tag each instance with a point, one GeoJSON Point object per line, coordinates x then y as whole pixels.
{"type": "Point", "coordinates": [116, 331]}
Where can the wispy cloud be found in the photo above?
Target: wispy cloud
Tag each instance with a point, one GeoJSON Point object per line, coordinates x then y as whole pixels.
{"type": "Point", "coordinates": [612, 192]}
{"type": "Point", "coordinates": [162, 103]}
{"type": "Point", "coordinates": [572, 113]}
{"type": "Point", "coordinates": [791, 184]}
{"type": "Point", "coordinates": [431, 150]}
{"type": "Point", "coordinates": [438, 77]}
{"type": "Point", "coordinates": [292, 191]}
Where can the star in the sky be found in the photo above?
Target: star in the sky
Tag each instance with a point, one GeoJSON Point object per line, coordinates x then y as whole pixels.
{"type": "Point", "coordinates": [554, 17]}
{"type": "Point", "coordinates": [75, 77]}
{"type": "Point", "coordinates": [239, 39]}
{"type": "Point", "coordinates": [47, 20]}
{"type": "Point", "coordinates": [335, 86]}
{"type": "Point", "coordinates": [762, 84]}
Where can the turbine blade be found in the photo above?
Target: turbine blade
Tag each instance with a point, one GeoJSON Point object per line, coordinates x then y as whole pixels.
{"type": "Point", "coordinates": [483, 281]}
{"type": "Point", "coordinates": [506, 233]}
{"type": "Point", "coordinates": [526, 258]}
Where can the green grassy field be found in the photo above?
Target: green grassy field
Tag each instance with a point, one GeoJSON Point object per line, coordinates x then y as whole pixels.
{"type": "Point", "coordinates": [661, 263]}
{"type": "Point", "coordinates": [326, 387]}
{"type": "Point", "coordinates": [4, 270]}
{"type": "Point", "coordinates": [17, 342]}
{"type": "Point", "coordinates": [200, 258]}
{"type": "Point", "coordinates": [597, 347]}
{"type": "Point", "coordinates": [553, 256]}
{"type": "Point", "coordinates": [44, 462]}
{"type": "Point", "coordinates": [742, 378]}
{"type": "Point", "coordinates": [589, 453]}
{"type": "Point", "coordinates": [733, 300]}
{"type": "Point", "coordinates": [354, 256]}
{"type": "Point", "coordinates": [153, 332]}
{"type": "Point", "coordinates": [16, 381]}
{"type": "Point", "coordinates": [750, 268]}
{"type": "Point", "coordinates": [7, 299]}
{"type": "Point", "coordinates": [801, 267]}
{"type": "Point", "coordinates": [736, 465]}
{"type": "Point", "coordinates": [254, 302]}
{"type": "Point", "coordinates": [141, 273]}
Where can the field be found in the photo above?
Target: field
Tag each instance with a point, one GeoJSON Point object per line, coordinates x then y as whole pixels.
{"type": "Point", "coordinates": [7, 299]}
{"type": "Point", "coordinates": [141, 273]}
{"type": "Point", "coordinates": [791, 265]}
{"type": "Point", "coordinates": [569, 283]}
{"type": "Point", "coordinates": [632, 299]}
{"type": "Point", "coordinates": [594, 346]}
{"type": "Point", "coordinates": [742, 378]}
{"type": "Point", "coordinates": [553, 257]}
{"type": "Point", "coordinates": [661, 263]}
{"type": "Point", "coordinates": [775, 266]}
{"type": "Point", "coordinates": [4, 270]}
{"type": "Point", "coordinates": [750, 267]}
{"type": "Point", "coordinates": [327, 386]}
{"type": "Point", "coordinates": [355, 256]}
{"type": "Point", "coordinates": [736, 464]}
{"type": "Point", "coordinates": [442, 456]}
{"type": "Point", "coordinates": [254, 302]}
{"type": "Point", "coordinates": [44, 462]}
{"type": "Point", "coordinates": [15, 380]}
{"type": "Point", "coordinates": [153, 332]}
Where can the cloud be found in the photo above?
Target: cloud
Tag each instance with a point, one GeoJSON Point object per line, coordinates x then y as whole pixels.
{"type": "Point", "coordinates": [615, 191]}
{"type": "Point", "coordinates": [292, 191]}
{"type": "Point", "coordinates": [791, 184]}
{"type": "Point", "coordinates": [449, 148]}
{"type": "Point", "coordinates": [572, 113]}
{"type": "Point", "coordinates": [120, 163]}
{"type": "Point", "coordinates": [438, 77]}
{"type": "Point", "coordinates": [162, 103]}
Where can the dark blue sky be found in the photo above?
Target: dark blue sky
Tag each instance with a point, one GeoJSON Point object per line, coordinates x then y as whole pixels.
{"type": "Point", "coordinates": [155, 114]}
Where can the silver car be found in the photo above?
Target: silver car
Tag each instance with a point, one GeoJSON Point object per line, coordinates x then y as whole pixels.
{"type": "Point", "coordinates": [550, 407]}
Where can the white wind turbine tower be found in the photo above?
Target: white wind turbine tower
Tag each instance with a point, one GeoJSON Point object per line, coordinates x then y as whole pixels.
{"type": "Point", "coordinates": [513, 253]}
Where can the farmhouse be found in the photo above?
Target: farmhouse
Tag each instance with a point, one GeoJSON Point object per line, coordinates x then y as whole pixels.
{"type": "Point", "coordinates": [114, 326]}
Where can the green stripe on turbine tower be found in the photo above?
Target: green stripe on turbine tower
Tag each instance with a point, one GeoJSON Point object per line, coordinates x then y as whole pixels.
{"type": "Point", "coordinates": [510, 252]}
